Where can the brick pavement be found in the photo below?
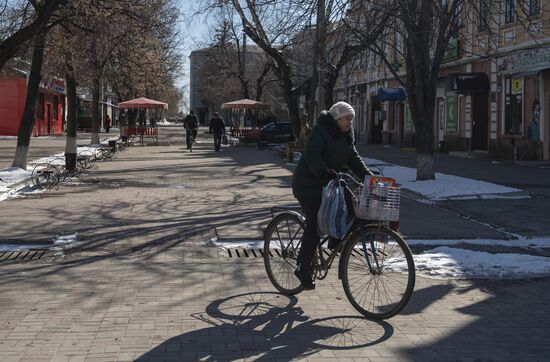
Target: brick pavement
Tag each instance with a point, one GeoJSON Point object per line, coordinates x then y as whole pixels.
{"type": "Point", "coordinates": [523, 216]}
{"type": "Point", "coordinates": [143, 289]}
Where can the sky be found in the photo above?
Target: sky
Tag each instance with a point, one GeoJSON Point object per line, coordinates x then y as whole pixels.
{"type": "Point", "coordinates": [195, 29]}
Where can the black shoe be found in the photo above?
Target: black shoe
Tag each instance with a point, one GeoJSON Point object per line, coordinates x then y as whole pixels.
{"type": "Point", "coordinates": [333, 243]}
{"type": "Point", "coordinates": [305, 279]}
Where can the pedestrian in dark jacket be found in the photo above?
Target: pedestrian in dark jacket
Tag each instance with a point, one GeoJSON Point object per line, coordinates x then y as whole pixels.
{"type": "Point", "coordinates": [329, 149]}
{"type": "Point", "coordinates": [191, 124]}
{"type": "Point", "coordinates": [107, 124]}
{"type": "Point", "coordinates": [217, 128]}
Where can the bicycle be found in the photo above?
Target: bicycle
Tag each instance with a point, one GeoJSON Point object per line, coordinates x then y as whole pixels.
{"type": "Point", "coordinates": [369, 250]}
{"type": "Point", "coordinates": [192, 136]}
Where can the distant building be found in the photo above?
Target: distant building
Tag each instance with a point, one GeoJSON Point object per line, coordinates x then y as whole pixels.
{"type": "Point", "coordinates": [210, 86]}
{"type": "Point", "coordinates": [50, 107]}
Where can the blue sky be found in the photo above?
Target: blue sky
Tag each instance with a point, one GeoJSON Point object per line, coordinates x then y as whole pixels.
{"type": "Point", "coordinates": [195, 28]}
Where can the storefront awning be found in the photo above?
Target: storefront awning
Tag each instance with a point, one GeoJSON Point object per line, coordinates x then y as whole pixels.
{"type": "Point", "coordinates": [391, 94]}
{"type": "Point", "coordinates": [467, 82]}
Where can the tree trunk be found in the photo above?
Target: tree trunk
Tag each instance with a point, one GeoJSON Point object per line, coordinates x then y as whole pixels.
{"type": "Point", "coordinates": [330, 82]}
{"type": "Point", "coordinates": [291, 101]}
{"type": "Point", "coordinates": [132, 116]}
{"type": "Point", "coordinates": [28, 118]}
{"type": "Point", "coordinates": [72, 121]}
{"type": "Point", "coordinates": [95, 112]}
{"type": "Point", "coordinates": [244, 88]}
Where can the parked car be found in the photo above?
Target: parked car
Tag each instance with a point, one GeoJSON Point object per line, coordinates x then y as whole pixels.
{"type": "Point", "coordinates": [279, 132]}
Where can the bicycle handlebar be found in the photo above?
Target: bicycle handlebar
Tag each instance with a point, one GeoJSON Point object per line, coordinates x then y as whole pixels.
{"type": "Point", "coordinates": [346, 176]}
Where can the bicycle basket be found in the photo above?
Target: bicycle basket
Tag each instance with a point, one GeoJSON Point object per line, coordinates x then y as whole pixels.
{"type": "Point", "coordinates": [377, 199]}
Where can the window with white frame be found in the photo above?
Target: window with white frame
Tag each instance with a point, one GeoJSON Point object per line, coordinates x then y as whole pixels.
{"type": "Point", "coordinates": [513, 106]}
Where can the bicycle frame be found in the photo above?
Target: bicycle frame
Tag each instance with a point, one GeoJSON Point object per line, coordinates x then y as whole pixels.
{"type": "Point", "coordinates": [322, 265]}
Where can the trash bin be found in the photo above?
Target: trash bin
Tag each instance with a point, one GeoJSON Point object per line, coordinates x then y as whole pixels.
{"type": "Point", "coordinates": [112, 145]}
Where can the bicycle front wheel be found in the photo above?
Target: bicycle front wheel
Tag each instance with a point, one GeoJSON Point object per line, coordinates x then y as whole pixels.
{"type": "Point", "coordinates": [378, 273]}
{"type": "Point", "coordinates": [282, 241]}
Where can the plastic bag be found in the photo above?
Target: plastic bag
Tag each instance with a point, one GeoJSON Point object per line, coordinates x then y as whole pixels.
{"type": "Point", "coordinates": [333, 213]}
{"type": "Point", "coordinates": [224, 139]}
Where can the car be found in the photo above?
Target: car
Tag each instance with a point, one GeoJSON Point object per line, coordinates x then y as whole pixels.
{"type": "Point", "coordinates": [277, 132]}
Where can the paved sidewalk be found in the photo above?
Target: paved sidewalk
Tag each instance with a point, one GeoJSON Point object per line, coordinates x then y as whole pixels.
{"type": "Point", "coordinates": [142, 288]}
{"type": "Point", "coordinates": [43, 146]}
{"type": "Point", "coordinates": [527, 216]}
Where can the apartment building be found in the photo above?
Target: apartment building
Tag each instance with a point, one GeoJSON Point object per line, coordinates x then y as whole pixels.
{"type": "Point", "coordinates": [493, 93]}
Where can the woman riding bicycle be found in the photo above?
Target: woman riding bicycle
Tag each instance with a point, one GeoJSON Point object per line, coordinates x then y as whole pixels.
{"type": "Point", "coordinates": [329, 148]}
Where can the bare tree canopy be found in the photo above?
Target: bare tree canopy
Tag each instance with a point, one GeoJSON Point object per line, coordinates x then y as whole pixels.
{"type": "Point", "coordinates": [22, 21]}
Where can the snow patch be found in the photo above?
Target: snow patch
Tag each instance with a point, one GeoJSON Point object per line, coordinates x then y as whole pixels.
{"type": "Point", "coordinates": [19, 247]}
{"type": "Point", "coordinates": [446, 261]}
{"type": "Point", "coordinates": [451, 262]}
{"type": "Point", "coordinates": [444, 186]}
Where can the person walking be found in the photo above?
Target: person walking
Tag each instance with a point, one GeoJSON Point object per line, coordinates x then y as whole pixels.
{"type": "Point", "coordinates": [107, 124]}
{"type": "Point", "coordinates": [217, 128]}
{"type": "Point", "coordinates": [191, 124]}
{"type": "Point", "coordinates": [329, 148]}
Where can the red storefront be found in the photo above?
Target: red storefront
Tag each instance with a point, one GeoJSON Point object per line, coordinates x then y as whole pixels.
{"type": "Point", "coordinates": [50, 106]}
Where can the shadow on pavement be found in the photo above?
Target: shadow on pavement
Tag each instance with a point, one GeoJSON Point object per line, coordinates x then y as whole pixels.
{"type": "Point", "coordinates": [511, 322]}
{"type": "Point", "coordinates": [266, 326]}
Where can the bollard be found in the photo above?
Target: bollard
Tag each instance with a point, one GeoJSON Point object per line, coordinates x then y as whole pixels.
{"type": "Point", "coordinates": [70, 161]}
{"type": "Point", "coordinates": [112, 145]}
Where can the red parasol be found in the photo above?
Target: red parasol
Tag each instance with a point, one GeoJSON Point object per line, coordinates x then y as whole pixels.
{"type": "Point", "coordinates": [142, 103]}
{"type": "Point", "coordinates": [245, 104]}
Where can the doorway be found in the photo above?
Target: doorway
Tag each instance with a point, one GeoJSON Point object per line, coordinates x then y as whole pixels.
{"type": "Point", "coordinates": [49, 117]}
{"type": "Point", "coordinates": [377, 124]}
{"type": "Point", "coordinates": [480, 121]}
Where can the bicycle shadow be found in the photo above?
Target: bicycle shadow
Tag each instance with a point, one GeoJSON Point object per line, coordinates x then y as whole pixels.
{"type": "Point", "coordinates": [266, 326]}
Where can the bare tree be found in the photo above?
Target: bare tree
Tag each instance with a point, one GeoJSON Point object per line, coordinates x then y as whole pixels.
{"type": "Point", "coordinates": [19, 25]}
{"type": "Point", "coordinates": [272, 27]}
{"type": "Point", "coordinates": [426, 28]}
{"type": "Point", "coordinates": [233, 68]}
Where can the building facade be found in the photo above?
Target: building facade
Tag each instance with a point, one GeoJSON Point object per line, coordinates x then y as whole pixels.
{"type": "Point", "coordinates": [50, 105]}
{"type": "Point", "coordinates": [493, 92]}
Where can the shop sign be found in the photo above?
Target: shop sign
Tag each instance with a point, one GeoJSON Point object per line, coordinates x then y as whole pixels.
{"type": "Point", "coordinates": [451, 114]}
{"type": "Point", "coordinates": [517, 85]}
{"type": "Point", "coordinates": [529, 61]}
{"type": "Point", "coordinates": [409, 126]}
{"type": "Point", "coordinates": [53, 84]}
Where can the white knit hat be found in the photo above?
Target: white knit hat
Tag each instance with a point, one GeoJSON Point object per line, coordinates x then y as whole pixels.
{"type": "Point", "coordinates": [341, 109]}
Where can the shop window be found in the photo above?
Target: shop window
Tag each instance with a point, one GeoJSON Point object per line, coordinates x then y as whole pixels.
{"type": "Point", "coordinates": [513, 111]}
{"type": "Point", "coordinates": [534, 7]}
{"type": "Point", "coordinates": [40, 106]}
{"type": "Point", "coordinates": [509, 11]}
{"type": "Point", "coordinates": [483, 23]}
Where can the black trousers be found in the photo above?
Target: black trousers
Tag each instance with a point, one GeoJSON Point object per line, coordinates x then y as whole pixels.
{"type": "Point", "coordinates": [217, 141]}
{"type": "Point", "coordinates": [311, 238]}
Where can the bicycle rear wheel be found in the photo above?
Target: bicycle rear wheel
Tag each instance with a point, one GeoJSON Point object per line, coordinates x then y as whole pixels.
{"type": "Point", "coordinates": [282, 241]}
{"type": "Point", "coordinates": [380, 284]}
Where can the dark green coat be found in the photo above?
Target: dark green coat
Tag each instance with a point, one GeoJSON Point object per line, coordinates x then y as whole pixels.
{"type": "Point", "coordinates": [326, 148]}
